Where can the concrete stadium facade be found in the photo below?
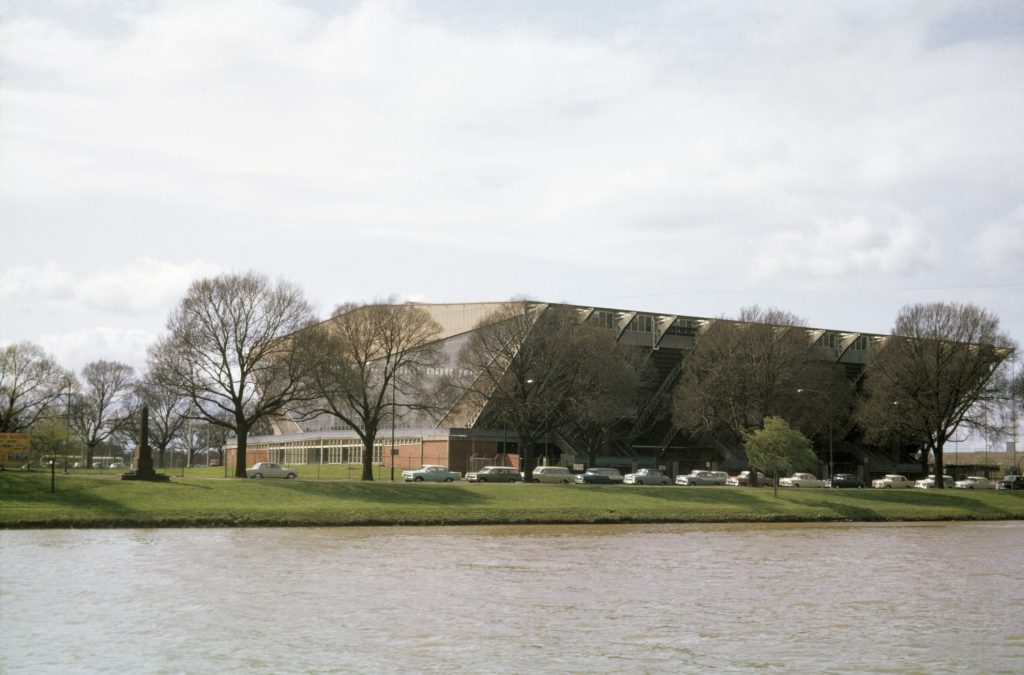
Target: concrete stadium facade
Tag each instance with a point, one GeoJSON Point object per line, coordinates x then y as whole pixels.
{"type": "Point", "coordinates": [455, 440]}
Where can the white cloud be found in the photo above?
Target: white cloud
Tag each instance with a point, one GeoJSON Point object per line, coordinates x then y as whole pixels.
{"type": "Point", "coordinates": [1000, 245]}
{"type": "Point", "coordinates": [710, 142]}
{"type": "Point", "coordinates": [75, 349]}
{"type": "Point", "coordinates": [47, 283]}
{"type": "Point", "coordinates": [889, 243]}
{"type": "Point", "coordinates": [140, 286]}
{"type": "Point", "coordinates": [383, 114]}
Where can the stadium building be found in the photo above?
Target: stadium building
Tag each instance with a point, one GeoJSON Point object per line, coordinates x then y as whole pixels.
{"type": "Point", "coordinates": [455, 440]}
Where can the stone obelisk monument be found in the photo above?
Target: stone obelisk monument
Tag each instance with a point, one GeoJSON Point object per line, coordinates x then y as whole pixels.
{"type": "Point", "coordinates": [142, 458]}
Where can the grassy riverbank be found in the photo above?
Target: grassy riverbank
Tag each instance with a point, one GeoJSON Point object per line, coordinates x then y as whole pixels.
{"type": "Point", "coordinates": [25, 502]}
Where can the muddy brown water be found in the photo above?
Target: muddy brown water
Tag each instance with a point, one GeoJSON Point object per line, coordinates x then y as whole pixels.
{"type": "Point", "coordinates": [884, 598]}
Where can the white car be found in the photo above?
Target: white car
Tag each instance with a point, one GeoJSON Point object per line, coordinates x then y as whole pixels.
{"type": "Point", "coordinates": [598, 474]}
{"type": "Point", "coordinates": [974, 483]}
{"type": "Point", "coordinates": [270, 470]}
{"type": "Point", "coordinates": [646, 477]}
{"type": "Point", "coordinates": [929, 482]}
{"type": "Point", "coordinates": [553, 474]}
{"type": "Point", "coordinates": [802, 480]}
{"type": "Point", "coordinates": [698, 477]}
{"type": "Point", "coordinates": [892, 480]}
{"type": "Point", "coordinates": [432, 472]}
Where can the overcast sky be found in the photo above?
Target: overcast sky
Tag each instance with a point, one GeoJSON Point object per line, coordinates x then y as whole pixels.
{"type": "Point", "coordinates": [834, 159]}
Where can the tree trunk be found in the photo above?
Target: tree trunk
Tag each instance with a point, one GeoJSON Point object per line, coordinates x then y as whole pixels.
{"type": "Point", "coordinates": [939, 483]}
{"type": "Point", "coordinates": [90, 449]}
{"type": "Point", "coordinates": [368, 457]}
{"type": "Point", "coordinates": [240, 459]}
{"type": "Point", "coordinates": [526, 459]}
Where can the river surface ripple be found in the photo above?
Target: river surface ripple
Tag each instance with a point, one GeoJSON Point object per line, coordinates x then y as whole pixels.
{"type": "Point", "coordinates": [830, 598]}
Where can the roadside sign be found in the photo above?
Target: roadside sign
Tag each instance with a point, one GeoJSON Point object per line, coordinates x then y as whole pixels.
{"type": "Point", "coordinates": [14, 447]}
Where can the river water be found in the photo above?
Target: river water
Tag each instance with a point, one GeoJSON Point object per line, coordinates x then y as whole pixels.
{"type": "Point", "coordinates": [883, 598]}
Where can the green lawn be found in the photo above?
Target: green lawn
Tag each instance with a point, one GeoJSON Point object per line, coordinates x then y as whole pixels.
{"type": "Point", "coordinates": [104, 501]}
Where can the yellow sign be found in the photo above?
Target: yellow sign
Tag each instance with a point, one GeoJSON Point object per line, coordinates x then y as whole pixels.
{"type": "Point", "coordinates": [14, 447]}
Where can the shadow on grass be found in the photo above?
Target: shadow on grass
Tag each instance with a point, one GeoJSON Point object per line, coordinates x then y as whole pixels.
{"type": "Point", "coordinates": [397, 494]}
{"type": "Point", "coordinates": [970, 503]}
{"type": "Point", "coordinates": [737, 496]}
{"type": "Point", "coordinates": [82, 495]}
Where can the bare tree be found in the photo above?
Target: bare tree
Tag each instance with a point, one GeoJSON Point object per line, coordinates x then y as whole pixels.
{"type": "Point", "coordinates": [525, 368]}
{"type": "Point", "coordinates": [228, 352]}
{"type": "Point", "coordinates": [616, 373]}
{"type": "Point", "coordinates": [938, 371]}
{"type": "Point", "coordinates": [741, 372]}
{"type": "Point", "coordinates": [168, 414]}
{"type": "Point", "coordinates": [103, 408]}
{"type": "Point", "coordinates": [31, 384]}
{"type": "Point", "coordinates": [362, 360]}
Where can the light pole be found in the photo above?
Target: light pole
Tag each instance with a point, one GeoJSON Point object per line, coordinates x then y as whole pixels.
{"type": "Point", "coordinates": [828, 398]}
{"type": "Point", "coordinates": [393, 385]}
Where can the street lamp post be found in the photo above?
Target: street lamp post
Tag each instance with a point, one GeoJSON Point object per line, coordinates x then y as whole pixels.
{"type": "Point", "coordinates": [828, 398]}
{"type": "Point", "coordinates": [393, 385]}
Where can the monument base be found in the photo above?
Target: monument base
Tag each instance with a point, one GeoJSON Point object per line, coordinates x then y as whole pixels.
{"type": "Point", "coordinates": [146, 475]}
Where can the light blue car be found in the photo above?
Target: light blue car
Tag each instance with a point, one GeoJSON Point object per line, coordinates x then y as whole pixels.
{"type": "Point", "coordinates": [432, 472]}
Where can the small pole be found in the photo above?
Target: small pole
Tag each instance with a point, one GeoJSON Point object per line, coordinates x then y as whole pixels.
{"type": "Point", "coordinates": [53, 479]}
{"type": "Point", "coordinates": [394, 382]}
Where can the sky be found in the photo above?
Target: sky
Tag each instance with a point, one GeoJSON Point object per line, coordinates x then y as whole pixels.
{"type": "Point", "coordinates": [838, 160]}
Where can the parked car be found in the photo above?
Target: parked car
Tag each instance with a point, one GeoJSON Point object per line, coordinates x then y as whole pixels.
{"type": "Point", "coordinates": [845, 480]}
{"type": "Point", "coordinates": [720, 477]}
{"type": "Point", "coordinates": [494, 474]}
{"type": "Point", "coordinates": [270, 470]}
{"type": "Point", "coordinates": [801, 480]}
{"type": "Point", "coordinates": [743, 478]}
{"type": "Point", "coordinates": [1011, 483]}
{"type": "Point", "coordinates": [433, 472]}
{"type": "Point", "coordinates": [597, 474]}
{"type": "Point", "coordinates": [892, 480]}
{"type": "Point", "coordinates": [553, 474]}
{"type": "Point", "coordinates": [646, 477]}
{"type": "Point", "coordinates": [698, 477]}
{"type": "Point", "coordinates": [974, 483]}
{"type": "Point", "coordinates": [929, 482]}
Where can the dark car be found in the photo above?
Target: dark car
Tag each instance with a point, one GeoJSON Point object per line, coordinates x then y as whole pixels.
{"type": "Point", "coordinates": [1011, 483]}
{"type": "Point", "coordinates": [846, 480]}
{"type": "Point", "coordinates": [495, 474]}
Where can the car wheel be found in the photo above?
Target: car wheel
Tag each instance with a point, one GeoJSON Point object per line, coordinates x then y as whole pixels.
{"type": "Point", "coordinates": [639, 482]}
{"type": "Point", "coordinates": [481, 480]}
{"type": "Point", "coordinates": [418, 479]}
{"type": "Point", "coordinates": [289, 476]}
{"type": "Point", "coordinates": [257, 475]}
{"type": "Point", "coordinates": [447, 480]}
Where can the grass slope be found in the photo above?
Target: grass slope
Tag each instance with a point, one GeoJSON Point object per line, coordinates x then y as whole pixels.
{"type": "Point", "coordinates": [86, 501]}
